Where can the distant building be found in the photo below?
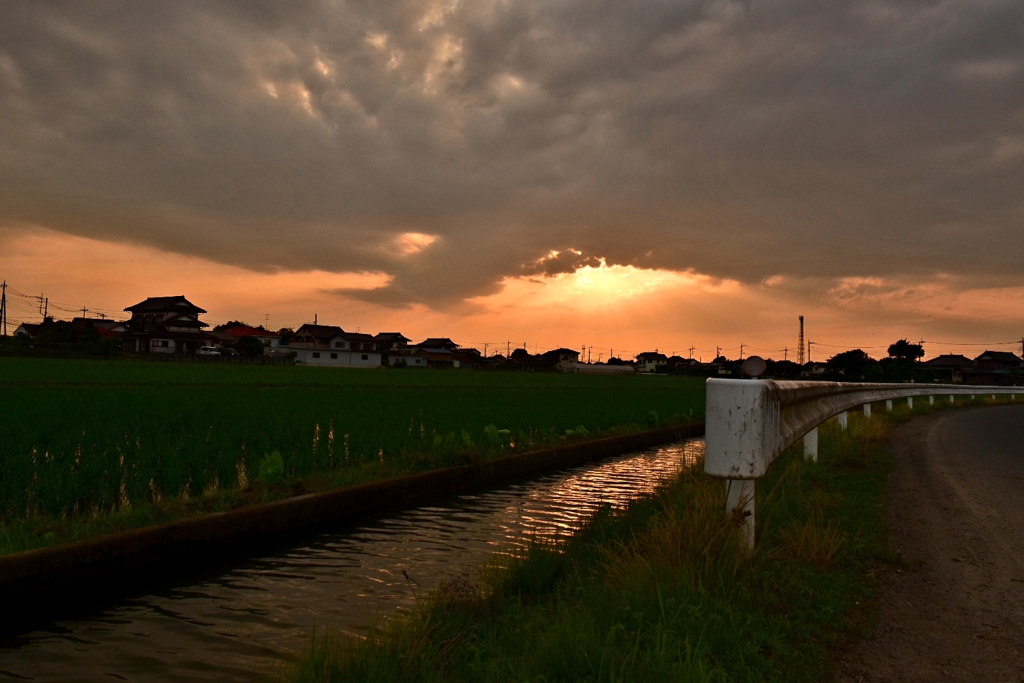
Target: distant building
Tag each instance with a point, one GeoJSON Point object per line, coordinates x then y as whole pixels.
{"type": "Point", "coordinates": [950, 367]}
{"type": "Point", "coordinates": [434, 343]}
{"type": "Point", "coordinates": [391, 342]}
{"type": "Point", "coordinates": [165, 324]}
{"type": "Point", "coordinates": [1000, 368]}
{"type": "Point", "coordinates": [563, 359]}
{"type": "Point", "coordinates": [270, 340]}
{"type": "Point", "coordinates": [105, 326]}
{"type": "Point", "coordinates": [678, 362]}
{"type": "Point", "coordinates": [30, 330]}
{"type": "Point", "coordinates": [329, 345]}
{"type": "Point", "coordinates": [651, 361]}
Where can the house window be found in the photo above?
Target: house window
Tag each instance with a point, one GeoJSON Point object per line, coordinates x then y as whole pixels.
{"type": "Point", "coordinates": [365, 357]}
{"type": "Point", "coordinates": [339, 345]}
{"type": "Point", "coordinates": [334, 356]}
{"type": "Point", "coordinates": [160, 343]}
{"type": "Point", "coordinates": [316, 354]}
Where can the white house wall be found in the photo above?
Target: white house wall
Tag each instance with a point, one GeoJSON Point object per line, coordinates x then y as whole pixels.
{"type": "Point", "coordinates": [410, 361]}
{"type": "Point", "coordinates": [337, 358]}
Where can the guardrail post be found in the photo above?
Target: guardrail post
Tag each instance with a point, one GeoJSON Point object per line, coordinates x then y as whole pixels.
{"type": "Point", "coordinates": [888, 406]}
{"type": "Point", "coordinates": [952, 398]}
{"type": "Point", "coordinates": [843, 421]}
{"type": "Point", "coordinates": [741, 439]}
{"type": "Point", "coordinates": [910, 402]}
{"type": "Point", "coordinates": [931, 400]}
{"type": "Point", "coordinates": [867, 410]}
{"type": "Point", "coordinates": [993, 397]}
{"type": "Point", "coordinates": [739, 502]}
{"type": "Point", "coordinates": [972, 397]}
{"type": "Point", "coordinates": [811, 445]}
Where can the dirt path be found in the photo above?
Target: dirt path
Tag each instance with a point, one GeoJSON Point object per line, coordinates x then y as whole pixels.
{"type": "Point", "coordinates": [956, 506]}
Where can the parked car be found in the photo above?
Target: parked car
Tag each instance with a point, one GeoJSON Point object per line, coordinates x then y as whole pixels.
{"type": "Point", "coordinates": [229, 352]}
{"type": "Point", "coordinates": [209, 351]}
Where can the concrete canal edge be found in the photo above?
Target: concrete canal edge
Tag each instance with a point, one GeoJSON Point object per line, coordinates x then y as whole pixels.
{"type": "Point", "coordinates": [130, 560]}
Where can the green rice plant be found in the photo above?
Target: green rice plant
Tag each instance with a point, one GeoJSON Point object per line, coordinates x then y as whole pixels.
{"type": "Point", "coordinates": [86, 439]}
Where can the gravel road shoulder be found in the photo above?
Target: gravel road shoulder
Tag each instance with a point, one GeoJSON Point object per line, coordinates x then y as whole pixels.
{"type": "Point", "coordinates": [955, 610]}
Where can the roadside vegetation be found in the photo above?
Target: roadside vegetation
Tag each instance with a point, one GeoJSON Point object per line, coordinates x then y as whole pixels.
{"type": "Point", "coordinates": [92, 447]}
{"type": "Point", "coordinates": [661, 591]}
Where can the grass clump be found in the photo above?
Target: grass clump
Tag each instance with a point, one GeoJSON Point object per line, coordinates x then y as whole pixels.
{"type": "Point", "coordinates": [664, 590]}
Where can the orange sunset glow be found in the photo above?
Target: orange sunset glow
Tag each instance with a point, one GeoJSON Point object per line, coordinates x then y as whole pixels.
{"type": "Point", "coordinates": [446, 170]}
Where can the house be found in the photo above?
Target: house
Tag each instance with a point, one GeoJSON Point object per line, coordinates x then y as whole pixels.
{"type": "Point", "coordinates": [165, 324]}
{"type": "Point", "coordinates": [950, 367]}
{"type": "Point", "coordinates": [998, 360]}
{"type": "Point", "coordinates": [415, 359]}
{"type": "Point", "coordinates": [563, 359]}
{"type": "Point", "coordinates": [598, 369]}
{"type": "Point", "coordinates": [30, 330]}
{"type": "Point", "coordinates": [443, 343]}
{"type": "Point", "coordinates": [440, 358]}
{"type": "Point", "coordinates": [814, 368]}
{"type": "Point", "coordinates": [993, 367]}
{"type": "Point", "coordinates": [267, 338]}
{"type": "Point", "coordinates": [651, 361]}
{"type": "Point", "coordinates": [332, 346]}
{"type": "Point", "coordinates": [391, 342]}
{"type": "Point", "coordinates": [105, 326]}
{"type": "Point", "coordinates": [679, 363]}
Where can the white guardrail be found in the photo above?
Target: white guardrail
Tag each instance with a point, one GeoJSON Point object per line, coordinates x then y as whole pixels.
{"type": "Point", "coordinates": [750, 422]}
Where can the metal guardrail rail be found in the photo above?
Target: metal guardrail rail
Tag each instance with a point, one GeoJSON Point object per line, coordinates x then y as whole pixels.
{"type": "Point", "coordinates": [749, 423]}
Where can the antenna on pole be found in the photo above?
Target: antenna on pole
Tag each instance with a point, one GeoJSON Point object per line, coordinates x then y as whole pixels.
{"type": "Point", "coordinates": [800, 349]}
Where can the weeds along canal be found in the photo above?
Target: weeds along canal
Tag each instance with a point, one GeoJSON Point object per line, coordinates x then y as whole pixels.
{"type": "Point", "coordinates": [242, 624]}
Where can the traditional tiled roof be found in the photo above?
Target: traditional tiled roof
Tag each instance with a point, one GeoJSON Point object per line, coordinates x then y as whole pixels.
{"type": "Point", "coordinates": [166, 304]}
{"type": "Point", "coordinates": [950, 360]}
{"type": "Point", "coordinates": [321, 331]}
{"type": "Point", "coordinates": [1000, 356]}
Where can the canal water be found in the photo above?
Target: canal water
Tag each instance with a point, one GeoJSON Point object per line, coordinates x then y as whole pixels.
{"type": "Point", "coordinates": [247, 621]}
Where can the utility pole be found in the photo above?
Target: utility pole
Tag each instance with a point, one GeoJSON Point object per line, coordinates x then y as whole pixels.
{"type": "Point", "coordinates": [508, 348]}
{"type": "Point", "coordinates": [44, 306]}
{"type": "Point", "coordinates": [718, 352]}
{"type": "Point", "coordinates": [485, 350]}
{"type": "Point", "coordinates": [809, 342]}
{"type": "Point", "coordinates": [84, 311]}
{"type": "Point", "coordinates": [691, 353]}
{"type": "Point", "coordinates": [3, 309]}
{"type": "Point", "coordinates": [741, 352]}
{"type": "Point", "coordinates": [785, 354]}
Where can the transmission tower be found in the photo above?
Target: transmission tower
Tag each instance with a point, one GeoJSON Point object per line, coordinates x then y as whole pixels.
{"type": "Point", "coordinates": [800, 349]}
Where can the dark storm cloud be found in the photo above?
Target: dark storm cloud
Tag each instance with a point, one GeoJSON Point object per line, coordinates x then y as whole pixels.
{"type": "Point", "coordinates": [740, 139]}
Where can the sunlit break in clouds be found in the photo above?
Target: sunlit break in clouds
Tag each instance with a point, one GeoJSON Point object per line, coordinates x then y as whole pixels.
{"type": "Point", "coordinates": [663, 175]}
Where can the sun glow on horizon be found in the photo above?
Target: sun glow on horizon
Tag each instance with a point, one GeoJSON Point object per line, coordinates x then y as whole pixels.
{"type": "Point", "coordinates": [596, 287]}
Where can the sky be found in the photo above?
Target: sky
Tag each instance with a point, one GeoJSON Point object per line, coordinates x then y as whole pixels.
{"type": "Point", "coordinates": [626, 176]}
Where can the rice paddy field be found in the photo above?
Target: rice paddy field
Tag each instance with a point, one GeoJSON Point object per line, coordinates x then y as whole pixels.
{"type": "Point", "coordinates": [91, 446]}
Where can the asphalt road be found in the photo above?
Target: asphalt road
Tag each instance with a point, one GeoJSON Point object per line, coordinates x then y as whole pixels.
{"type": "Point", "coordinates": [955, 610]}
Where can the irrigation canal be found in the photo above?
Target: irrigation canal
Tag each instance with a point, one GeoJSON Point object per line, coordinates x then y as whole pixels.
{"type": "Point", "coordinates": [240, 624]}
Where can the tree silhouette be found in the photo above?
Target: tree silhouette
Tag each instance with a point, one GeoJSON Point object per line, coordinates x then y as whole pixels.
{"type": "Point", "coordinates": [905, 351]}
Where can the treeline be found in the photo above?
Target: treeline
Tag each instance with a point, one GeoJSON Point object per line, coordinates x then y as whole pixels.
{"type": "Point", "coordinates": [64, 338]}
